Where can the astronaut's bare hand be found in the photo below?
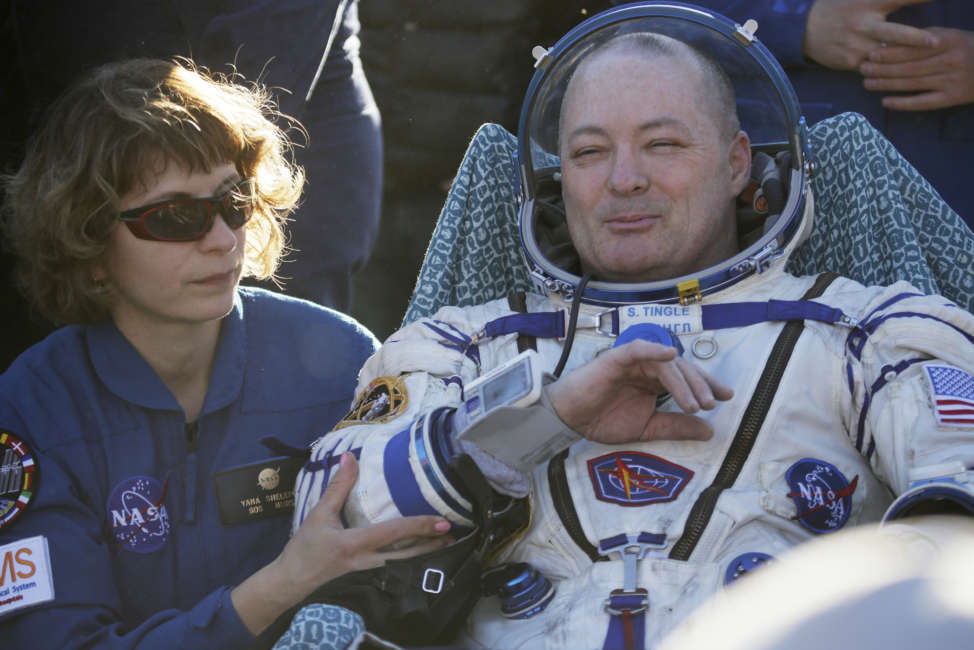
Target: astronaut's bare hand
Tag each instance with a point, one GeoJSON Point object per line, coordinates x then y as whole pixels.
{"type": "Point", "coordinates": [840, 34]}
{"type": "Point", "coordinates": [937, 77]}
{"type": "Point", "coordinates": [323, 549]}
{"type": "Point", "coordinates": [612, 399]}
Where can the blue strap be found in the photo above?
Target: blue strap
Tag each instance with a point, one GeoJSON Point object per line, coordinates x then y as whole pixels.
{"type": "Point", "coordinates": [857, 338]}
{"type": "Point", "coordinates": [612, 543]}
{"type": "Point", "coordinates": [458, 341]}
{"type": "Point", "coordinates": [627, 607]}
{"type": "Point", "coordinates": [551, 324]}
{"type": "Point", "coordinates": [880, 382]}
{"type": "Point", "coordinates": [544, 325]}
{"type": "Point", "coordinates": [742, 314]}
{"type": "Point", "coordinates": [653, 539]}
{"type": "Point", "coordinates": [627, 621]}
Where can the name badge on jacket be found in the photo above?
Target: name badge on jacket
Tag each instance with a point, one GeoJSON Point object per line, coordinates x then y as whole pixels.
{"type": "Point", "coordinates": [256, 491]}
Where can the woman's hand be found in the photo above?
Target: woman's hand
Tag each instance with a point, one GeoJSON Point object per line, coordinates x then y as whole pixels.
{"type": "Point", "coordinates": [322, 549]}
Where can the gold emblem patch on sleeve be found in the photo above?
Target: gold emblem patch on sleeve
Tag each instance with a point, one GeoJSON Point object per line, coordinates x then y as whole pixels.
{"type": "Point", "coordinates": [382, 400]}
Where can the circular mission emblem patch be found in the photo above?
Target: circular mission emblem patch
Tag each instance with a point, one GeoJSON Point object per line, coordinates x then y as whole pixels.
{"type": "Point", "coordinates": [18, 477]}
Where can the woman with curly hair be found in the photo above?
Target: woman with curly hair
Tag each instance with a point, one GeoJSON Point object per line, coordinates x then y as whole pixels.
{"type": "Point", "coordinates": [150, 445]}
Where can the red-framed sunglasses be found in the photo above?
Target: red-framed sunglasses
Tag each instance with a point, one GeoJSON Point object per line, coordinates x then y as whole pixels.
{"type": "Point", "coordinates": [189, 219]}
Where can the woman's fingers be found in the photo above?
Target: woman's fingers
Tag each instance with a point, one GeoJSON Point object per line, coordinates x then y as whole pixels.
{"type": "Point", "coordinates": [397, 531]}
{"type": "Point", "coordinates": [417, 549]}
{"type": "Point", "coordinates": [326, 511]}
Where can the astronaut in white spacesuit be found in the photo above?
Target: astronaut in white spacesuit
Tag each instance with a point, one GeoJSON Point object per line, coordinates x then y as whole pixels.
{"type": "Point", "coordinates": [676, 409]}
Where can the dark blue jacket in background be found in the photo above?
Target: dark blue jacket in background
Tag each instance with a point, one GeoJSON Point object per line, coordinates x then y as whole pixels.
{"type": "Point", "coordinates": [99, 420]}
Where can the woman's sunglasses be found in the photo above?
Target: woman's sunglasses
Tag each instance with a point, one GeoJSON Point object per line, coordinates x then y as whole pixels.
{"type": "Point", "coordinates": [189, 219]}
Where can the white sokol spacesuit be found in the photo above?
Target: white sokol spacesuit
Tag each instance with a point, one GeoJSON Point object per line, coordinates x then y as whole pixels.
{"type": "Point", "coordinates": [851, 403]}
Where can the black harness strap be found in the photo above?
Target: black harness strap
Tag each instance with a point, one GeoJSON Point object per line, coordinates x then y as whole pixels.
{"type": "Point", "coordinates": [561, 498]}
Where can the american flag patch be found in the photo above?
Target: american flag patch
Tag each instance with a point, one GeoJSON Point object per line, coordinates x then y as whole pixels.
{"type": "Point", "coordinates": [952, 391]}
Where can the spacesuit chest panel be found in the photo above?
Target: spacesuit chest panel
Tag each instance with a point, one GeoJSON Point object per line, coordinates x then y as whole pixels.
{"type": "Point", "coordinates": [650, 487]}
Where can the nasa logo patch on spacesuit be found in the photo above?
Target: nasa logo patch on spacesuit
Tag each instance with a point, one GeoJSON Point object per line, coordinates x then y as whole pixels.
{"type": "Point", "coordinates": [822, 495]}
{"type": "Point", "coordinates": [382, 400]}
{"type": "Point", "coordinates": [632, 478]}
{"type": "Point", "coordinates": [137, 517]}
{"type": "Point", "coordinates": [18, 477]}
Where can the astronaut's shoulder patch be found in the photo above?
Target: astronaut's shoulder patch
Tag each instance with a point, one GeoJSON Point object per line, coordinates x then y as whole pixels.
{"type": "Point", "coordinates": [822, 494]}
{"type": "Point", "coordinates": [18, 477]}
{"type": "Point", "coordinates": [951, 394]}
{"type": "Point", "coordinates": [25, 574]}
{"type": "Point", "coordinates": [382, 400]}
{"type": "Point", "coordinates": [633, 478]}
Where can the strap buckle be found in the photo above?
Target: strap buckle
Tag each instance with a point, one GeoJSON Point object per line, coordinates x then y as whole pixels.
{"type": "Point", "coordinates": [596, 321]}
{"type": "Point", "coordinates": [433, 580]}
{"type": "Point", "coordinates": [616, 604]}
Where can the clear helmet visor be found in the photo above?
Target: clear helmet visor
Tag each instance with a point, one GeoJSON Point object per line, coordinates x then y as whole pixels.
{"type": "Point", "coordinates": [767, 110]}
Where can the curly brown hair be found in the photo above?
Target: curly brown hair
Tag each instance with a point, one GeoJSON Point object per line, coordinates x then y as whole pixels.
{"type": "Point", "coordinates": [104, 137]}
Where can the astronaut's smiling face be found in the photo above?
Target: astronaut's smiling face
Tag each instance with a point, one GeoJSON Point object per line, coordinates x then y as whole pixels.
{"type": "Point", "coordinates": [649, 177]}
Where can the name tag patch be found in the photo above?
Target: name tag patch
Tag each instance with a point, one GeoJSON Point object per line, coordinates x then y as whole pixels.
{"type": "Point", "coordinates": [632, 478]}
{"type": "Point", "coordinates": [25, 574]}
{"type": "Point", "coordinates": [137, 515]}
{"type": "Point", "coordinates": [257, 491]}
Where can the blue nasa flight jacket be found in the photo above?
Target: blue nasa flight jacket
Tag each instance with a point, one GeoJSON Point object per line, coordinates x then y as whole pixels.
{"type": "Point", "coordinates": [938, 143]}
{"type": "Point", "coordinates": [113, 454]}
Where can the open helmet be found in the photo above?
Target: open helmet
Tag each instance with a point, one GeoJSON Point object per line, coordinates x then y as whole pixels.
{"type": "Point", "coordinates": [774, 214]}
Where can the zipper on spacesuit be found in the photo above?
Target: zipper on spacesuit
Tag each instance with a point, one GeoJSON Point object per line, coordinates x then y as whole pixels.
{"type": "Point", "coordinates": [561, 498]}
{"type": "Point", "coordinates": [747, 431]}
